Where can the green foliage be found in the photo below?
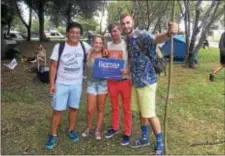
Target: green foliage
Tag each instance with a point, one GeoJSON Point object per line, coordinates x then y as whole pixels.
{"type": "Point", "coordinates": [18, 25]}
{"type": "Point", "coordinates": [8, 12]}
{"type": "Point", "coordinates": [59, 10]}
{"type": "Point", "coordinates": [88, 24]}
{"type": "Point", "coordinates": [115, 9]}
{"type": "Point", "coordinates": [35, 26]}
{"type": "Point", "coordinates": [61, 29]}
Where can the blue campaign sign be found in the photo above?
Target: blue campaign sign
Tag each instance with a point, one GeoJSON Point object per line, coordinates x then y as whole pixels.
{"type": "Point", "coordinates": [108, 68]}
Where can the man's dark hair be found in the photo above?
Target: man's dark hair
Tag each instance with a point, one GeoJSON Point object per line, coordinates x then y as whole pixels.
{"type": "Point", "coordinates": [74, 25]}
{"type": "Point", "coordinates": [111, 26]}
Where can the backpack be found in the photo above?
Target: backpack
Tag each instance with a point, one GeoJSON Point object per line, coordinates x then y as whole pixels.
{"type": "Point", "coordinates": [43, 73]}
{"type": "Point", "coordinates": [159, 62]}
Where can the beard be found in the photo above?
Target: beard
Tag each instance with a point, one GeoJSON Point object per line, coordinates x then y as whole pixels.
{"type": "Point", "coordinates": [129, 32]}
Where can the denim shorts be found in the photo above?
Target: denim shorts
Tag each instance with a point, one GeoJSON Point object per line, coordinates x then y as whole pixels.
{"type": "Point", "coordinates": [66, 96]}
{"type": "Point", "coordinates": [97, 87]}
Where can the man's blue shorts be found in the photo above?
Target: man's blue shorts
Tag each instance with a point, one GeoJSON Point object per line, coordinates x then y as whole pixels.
{"type": "Point", "coordinates": [66, 96]}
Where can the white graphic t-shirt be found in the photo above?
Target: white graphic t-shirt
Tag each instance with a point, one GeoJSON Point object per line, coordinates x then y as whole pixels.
{"type": "Point", "coordinates": [70, 69]}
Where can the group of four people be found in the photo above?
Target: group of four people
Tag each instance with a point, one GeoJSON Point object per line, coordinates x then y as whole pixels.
{"type": "Point", "coordinates": [137, 86]}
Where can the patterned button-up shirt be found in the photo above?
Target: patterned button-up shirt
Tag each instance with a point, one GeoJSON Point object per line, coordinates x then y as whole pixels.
{"type": "Point", "coordinates": [141, 52]}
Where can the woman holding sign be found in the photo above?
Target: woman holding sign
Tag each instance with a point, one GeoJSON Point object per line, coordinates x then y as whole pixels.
{"type": "Point", "coordinates": [96, 89]}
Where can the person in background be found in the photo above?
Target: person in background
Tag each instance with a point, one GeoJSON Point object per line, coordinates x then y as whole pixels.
{"type": "Point", "coordinates": [222, 58]}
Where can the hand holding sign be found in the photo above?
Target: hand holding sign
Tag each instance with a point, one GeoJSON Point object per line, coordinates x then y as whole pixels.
{"type": "Point", "coordinates": [108, 68]}
{"type": "Point", "coordinates": [125, 70]}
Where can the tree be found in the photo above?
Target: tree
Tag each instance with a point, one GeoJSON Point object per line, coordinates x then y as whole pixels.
{"type": "Point", "coordinates": [9, 14]}
{"type": "Point", "coordinates": [115, 9]}
{"type": "Point", "coordinates": [153, 15]}
{"type": "Point", "coordinates": [88, 24]}
{"type": "Point", "coordinates": [6, 20]}
{"type": "Point", "coordinates": [103, 13]}
{"type": "Point", "coordinates": [18, 25]}
{"type": "Point", "coordinates": [63, 12]}
{"type": "Point", "coordinates": [39, 7]}
{"type": "Point", "coordinates": [20, 11]}
{"type": "Point", "coordinates": [204, 17]}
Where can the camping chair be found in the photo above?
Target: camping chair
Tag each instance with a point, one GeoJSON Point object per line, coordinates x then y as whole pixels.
{"type": "Point", "coordinates": [41, 55]}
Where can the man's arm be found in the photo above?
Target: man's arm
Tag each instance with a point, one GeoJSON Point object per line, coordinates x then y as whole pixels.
{"type": "Point", "coordinates": [53, 68]}
{"type": "Point", "coordinates": [221, 43]}
{"type": "Point", "coordinates": [52, 72]}
{"type": "Point", "coordinates": [162, 37]}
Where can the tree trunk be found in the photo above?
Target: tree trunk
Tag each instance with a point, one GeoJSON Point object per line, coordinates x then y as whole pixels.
{"type": "Point", "coordinates": [156, 25]}
{"type": "Point", "coordinates": [9, 27]}
{"type": "Point", "coordinates": [103, 13]}
{"type": "Point", "coordinates": [3, 44]}
{"type": "Point", "coordinates": [29, 24]}
{"type": "Point", "coordinates": [148, 20]}
{"type": "Point", "coordinates": [187, 30]}
{"type": "Point", "coordinates": [196, 30]}
{"type": "Point", "coordinates": [68, 12]}
{"type": "Point", "coordinates": [41, 21]}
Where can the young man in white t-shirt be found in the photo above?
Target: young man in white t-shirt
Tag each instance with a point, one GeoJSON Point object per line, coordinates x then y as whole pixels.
{"type": "Point", "coordinates": [66, 76]}
{"type": "Point", "coordinates": [121, 87]}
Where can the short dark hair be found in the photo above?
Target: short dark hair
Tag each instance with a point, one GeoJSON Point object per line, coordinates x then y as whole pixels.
{"type": "Point", "coordinates": [111, 26]}
{"type": "Point", "coordinates": [74, 25]}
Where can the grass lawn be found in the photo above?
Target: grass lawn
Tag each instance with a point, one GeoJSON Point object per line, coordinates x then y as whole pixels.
{"type": "Point", "coordinates": [195, 113]}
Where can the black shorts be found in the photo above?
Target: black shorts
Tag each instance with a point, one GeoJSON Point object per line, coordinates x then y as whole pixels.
{"type": "Point", "coordinates": [222, 59]}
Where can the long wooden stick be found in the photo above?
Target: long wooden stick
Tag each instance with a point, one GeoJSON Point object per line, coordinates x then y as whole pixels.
{"type": "Point", "coordinates": [169, 83]}
{"type": "Point", "coordinates": [208, 143]}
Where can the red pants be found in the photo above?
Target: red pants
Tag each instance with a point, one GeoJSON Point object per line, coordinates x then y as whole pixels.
{"type": "Point", "coordinates": [124, 89]}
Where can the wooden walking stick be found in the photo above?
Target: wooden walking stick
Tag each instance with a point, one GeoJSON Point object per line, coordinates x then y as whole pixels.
{"type": "Point", "coordinates": [169, 83]}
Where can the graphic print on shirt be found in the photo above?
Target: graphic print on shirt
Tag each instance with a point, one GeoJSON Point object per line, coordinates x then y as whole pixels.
{"type": "Point", "coordinates": [72, 63]}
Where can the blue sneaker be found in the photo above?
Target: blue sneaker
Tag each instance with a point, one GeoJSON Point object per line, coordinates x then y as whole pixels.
{"type": "Point", "coordinates": [159, 149]}
{"type": "Point", "coordinates": [110, 133]}
{"type": "Point", "coordinates": [125, 140]}
{"type": "Point", "coordinates": [52, 141]}
{"type": "Point", "coordinates": [141, 143]}
{"type": "Point", "coordinates": [73, 135]}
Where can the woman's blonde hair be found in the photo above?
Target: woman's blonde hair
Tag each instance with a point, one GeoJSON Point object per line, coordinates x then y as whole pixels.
{"type": "Point", "coordinates": [99, 36]}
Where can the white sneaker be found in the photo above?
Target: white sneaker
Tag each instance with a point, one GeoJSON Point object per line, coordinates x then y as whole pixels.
{"type": "Point", "coordinates": [98, 135]}
{"type": "Point", "coordinates": [86, 133]}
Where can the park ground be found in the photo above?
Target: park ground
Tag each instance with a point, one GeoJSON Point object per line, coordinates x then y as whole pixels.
{"type": "Point", "coordinates": [195, 113]}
